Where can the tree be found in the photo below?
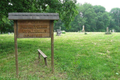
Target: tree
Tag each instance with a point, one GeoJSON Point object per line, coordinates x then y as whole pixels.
{"type": "Point", "coordinates": [115, 14]}
{"type": "Point", "coordinates": [102, 19]}
{"type": "Point", "coordinates": [99, 8]}
{"type": "Point", "coordinates": [113, 24]}
{"type": "Point", "coordinates": [79, 20]}
{"type": "Point", "coordinates": [90, 16]}
{"type": "Point", "coordinates": [5, 24]}
{"type": "Point", "coordinates": [65, 8]}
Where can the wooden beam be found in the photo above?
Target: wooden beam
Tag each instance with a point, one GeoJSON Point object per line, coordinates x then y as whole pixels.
{"type": "Point", "coordinates": [45, 61]}
{"type": "Point", "coordinates": [44, 56]}
{"type": "Point", "coordinates": [52, 45]}
{"type": "Point", "coordinates": [42, 53]}
{"type": "Point", "coordinates": [15, 42]}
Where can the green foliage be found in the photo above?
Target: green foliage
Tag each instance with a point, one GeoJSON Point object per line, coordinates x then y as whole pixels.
{"type": "Point", "coordinates": [72, 16]}
{"type": "Point", "coordinates": [63, 32]}
{"type": "Point", "coordinates": [115, 19]}
{"type": "Point", "coordinates": [99, 8]}
{"type": "Point", "coordinates": [68, 12]}
{"type": "Point", "coordinates": [65, 8]}
{"type": "Point", "coordinates": [5, 24]}
{"type": "Point", "coordinates": [103, 21]}
{"type": "Point", "coordinates": [90, 15]}
{"type": "Point", "coordinates": [94, 18]}
{"type": "Point", "coordinates": [79, 20]}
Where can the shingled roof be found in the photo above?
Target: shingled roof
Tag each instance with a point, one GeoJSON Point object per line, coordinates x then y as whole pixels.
{"type": "Point", "coordinates": [33, 16]}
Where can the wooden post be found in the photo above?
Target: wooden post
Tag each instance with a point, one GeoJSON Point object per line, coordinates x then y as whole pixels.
{"type": "Point", "coordinates": [15, 42]}
{"type": "Point", "coordinates": [52, 45]}
{"type": "Point", "coordinates": [38, 55]}
{"type": "Point", "coordinates": [45, 61]}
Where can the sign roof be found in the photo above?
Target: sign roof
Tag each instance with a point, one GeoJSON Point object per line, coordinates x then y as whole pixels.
{"type": "Point", "coordinates": [33, 16]}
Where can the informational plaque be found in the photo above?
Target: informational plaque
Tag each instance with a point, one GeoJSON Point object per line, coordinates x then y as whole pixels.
{"type": "Point", "coordinates": [33, 29]}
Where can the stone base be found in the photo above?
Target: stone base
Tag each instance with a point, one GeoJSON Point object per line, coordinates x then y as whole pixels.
{"type": "Point", "coordinates": [83, 31]}
{"type": "Point", "coordinates": [58, 34]}
{"type": "Point", "coordinates": [108, 33]}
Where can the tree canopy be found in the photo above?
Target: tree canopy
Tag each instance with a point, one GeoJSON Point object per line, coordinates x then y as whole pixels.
{"type": "Point", "coordinates": [115, 20]}
{"type": "Point", "coordinates": [94, 18]}
{"type": "Point", "coordinates": [65, 8]}
{"type": "Point", "coordinates": [72, 16]}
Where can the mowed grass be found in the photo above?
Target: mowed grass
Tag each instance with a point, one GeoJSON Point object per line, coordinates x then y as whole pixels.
{"type": "Point", "coordinates": [77, 56]}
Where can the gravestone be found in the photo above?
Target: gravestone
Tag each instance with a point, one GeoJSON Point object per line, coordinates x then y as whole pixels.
{"type": "Point", "coordinates": [58, 32]}
{"type": "Point", "coordinates": [8, 33]}
{"type": "Point", "coordinates": [83, 29]}
{"type": "Point", "coordinates": [110, 31]}
{"type": "Point", "coordinates": [12, 33]}
{"type": "Point", "coordinates": [107, 31]}
{"type": "Point", "coordinates": [113, 30]}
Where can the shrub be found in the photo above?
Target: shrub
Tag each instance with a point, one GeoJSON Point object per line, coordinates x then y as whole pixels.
{"type": "Point", "coordinates": [63, 32]}
{"type": "Point", "coordinates": [85, 33]}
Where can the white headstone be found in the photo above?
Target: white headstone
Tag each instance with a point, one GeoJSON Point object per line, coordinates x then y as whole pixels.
{"type": "Point", "coordinates": [113, 30]}
{"type": "Point", "coordinates": [83, 29]}
{"type": "Point", "coordinates": [59, 32]}
{"type": "Point", "coordinates": [110, 31]}
{"type": "Point", "coordinates": [107, 29]}
{"type": "Point", "coordinates": [8, 33]}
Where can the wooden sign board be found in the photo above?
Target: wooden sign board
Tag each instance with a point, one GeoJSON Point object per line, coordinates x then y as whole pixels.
{"type": "Point", "coordinates": [33, 29]}
{"type": "Point", "coordinates": [33, 25]}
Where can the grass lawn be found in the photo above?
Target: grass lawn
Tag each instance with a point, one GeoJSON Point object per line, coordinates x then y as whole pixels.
{"type": "Point", "coordinates": [77, 56]}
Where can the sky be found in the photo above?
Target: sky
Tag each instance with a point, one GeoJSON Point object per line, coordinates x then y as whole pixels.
{"type": "Point", "coordinates": [108, 4]}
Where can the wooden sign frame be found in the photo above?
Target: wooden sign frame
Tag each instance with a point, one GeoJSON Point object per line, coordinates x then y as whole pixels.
{"type": "Point", "coordinates": [16, 47]}
{"type": "Point", "coordinates": [33, 25]}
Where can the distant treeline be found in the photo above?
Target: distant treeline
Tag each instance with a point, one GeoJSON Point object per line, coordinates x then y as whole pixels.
{"type": "Point", "coordinates": [72, 16]}
{"type": "Point", "coordinates": [94, 18]}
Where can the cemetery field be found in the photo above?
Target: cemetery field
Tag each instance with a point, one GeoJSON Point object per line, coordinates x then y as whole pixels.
{"type": "Point", "coordinates": [77, 56]}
